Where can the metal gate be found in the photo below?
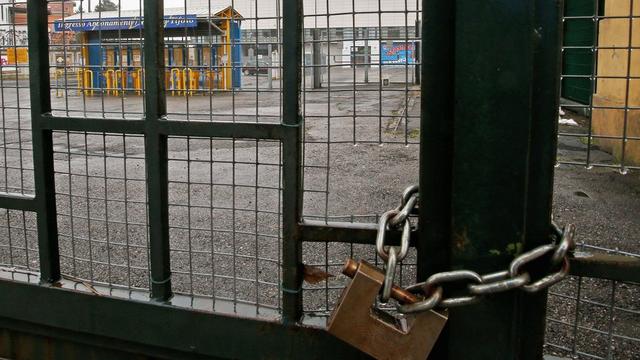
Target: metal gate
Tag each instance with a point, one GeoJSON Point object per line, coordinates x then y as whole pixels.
{"type": "Point", "coordinates": [485, 126]}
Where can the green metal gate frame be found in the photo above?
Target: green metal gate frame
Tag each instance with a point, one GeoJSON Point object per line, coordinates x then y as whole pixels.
{"type": "Point", "coordinates": [486, 183]}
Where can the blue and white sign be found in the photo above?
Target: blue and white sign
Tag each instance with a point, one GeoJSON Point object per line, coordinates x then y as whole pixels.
{"type": "Point", "coordinates": [128, 23]}
{"type": "Point", "coordinates": [398, 53]}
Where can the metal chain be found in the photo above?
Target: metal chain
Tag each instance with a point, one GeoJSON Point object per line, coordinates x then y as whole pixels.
{"type": "Point", "coordinates": [476, 285]}
{"type": "Point", "coordinates": [395, 218]}
{"type": "Point", "coordinates": [513, 278]}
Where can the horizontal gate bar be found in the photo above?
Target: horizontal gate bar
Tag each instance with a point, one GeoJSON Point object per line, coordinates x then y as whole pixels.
{"type": "Point", "coordinates": [225, 129]}
{"type": "Point", "coordinates": [344, 232]}
{"type": "Point", "coordinates": [118, 126]}
{"type": "Point", "coordinates": [195, 333]}
{"type": "Point", "coordinates": [17, 202]}
{"type": "Point", "coordinates": [24, 340]}
{"type": "Point", "coordinates": [601, 266]}
{"type": "Point", "coordinates": [169, 127]}
{"type": "Point", "coordinates": [606, 266]}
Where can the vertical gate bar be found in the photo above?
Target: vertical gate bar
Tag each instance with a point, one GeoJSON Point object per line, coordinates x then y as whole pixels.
{"type": "Point", "coordinates": [436, 142]}
{"type": "Point", "coordinates": [492, 120]}
{"type": "Point", "coordinates": [37, 19]}
{"type": "Point", "coordinates": [291, 161]}
{"type": "Point", "coordinates": [156, 150]}
{"type": "Point", "coordinates": [418, 48]}
{"type": "Point", "coordinates": [542, 159]}
{"type": "Point", "coordinates": [436, 136]}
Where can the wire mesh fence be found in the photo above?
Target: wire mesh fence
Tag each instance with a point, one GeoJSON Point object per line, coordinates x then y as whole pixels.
{"type": "Point", "coordinates": [593, 319]}
{"type": "Point", "coordinates": [102, 208]}
{"type": "Point", "coordinates": [16, 158]}
{"type": "Point", "coordinates": [18, 247]}
{"type": "Point", "coordinates": [225, 215]}
{"type": "Point", "coordinates": [599, 124]}
{"type": "Point", "coordinates": [361, 109]}
{"type": "Point", "coordinates": [19, 244]}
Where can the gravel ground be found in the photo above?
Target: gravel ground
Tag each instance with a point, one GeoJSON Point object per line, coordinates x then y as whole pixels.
{"type": "Point", "coordinates": [224, 196]}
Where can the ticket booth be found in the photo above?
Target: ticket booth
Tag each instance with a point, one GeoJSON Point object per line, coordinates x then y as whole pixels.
{"type": "Point", "coordinates": [202, 53]}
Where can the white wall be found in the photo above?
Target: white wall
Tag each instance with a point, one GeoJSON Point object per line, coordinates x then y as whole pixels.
{"type": "Point", "coordinates": [4, 12]}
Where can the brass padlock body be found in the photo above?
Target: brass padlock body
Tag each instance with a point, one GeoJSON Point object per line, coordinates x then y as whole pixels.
{"type": "Point", "coordinates": [355, 321]}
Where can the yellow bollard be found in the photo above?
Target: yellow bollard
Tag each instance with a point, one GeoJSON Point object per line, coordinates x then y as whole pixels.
{"type": "Point", "coordinates": [185, 81]}
{"type": "Point", "coordinates": [110, 78]}
{"type": "Point", "coordinates": [120, 82]}
{"type": "Point", "coordinates": [58, 74]}
{"type": "Point", "coordinates": [188, 78]}
{"type": "Point", "coordinates": [116, 82]}
{"type": "Point", "coordinates": [88, 79]}
{"type": "Point", "coordinates": [123, 81]}
{"type": "Point", "coordinates": [177, 81]}
{"type": "Point", "coordinates": [137, 81]}
{"type": "Point", "coordinates": [212, 79]}
{"type": "Point", "coordinates": [209, 79]}
{"type": "Point", "coordinates": [80, 79]}
{"type": "Point", "coordinates": [195, 81]}
{"type": "Point", "coordinates": [85, 82]}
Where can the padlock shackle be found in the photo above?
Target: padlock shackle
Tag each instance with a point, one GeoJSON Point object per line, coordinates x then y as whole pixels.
{"type": "Point", "coordinates": [401, 295]}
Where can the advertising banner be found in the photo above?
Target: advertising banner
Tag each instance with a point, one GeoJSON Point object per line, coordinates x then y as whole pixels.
{"type": "Point", "coordinates": [397, 53]}
{"type": "Point", "coordinates": [125, 23]}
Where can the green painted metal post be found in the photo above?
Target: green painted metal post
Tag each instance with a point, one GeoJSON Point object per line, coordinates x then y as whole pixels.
{"type": "Point", "coordinates": [292, 119]}
{"type": "Point", "coordinates": [492, 128]}
{"type": "Point", "coordinates": [156, 150]}
{"type": "Point", "coordinates": [37, 18]}
{"type": "Point", "coordinates": [486, 173]}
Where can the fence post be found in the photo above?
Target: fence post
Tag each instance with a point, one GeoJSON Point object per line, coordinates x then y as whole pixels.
{"type": "Point", "coordinates": [291, 161]}
{"type": "Point", "coordinates": [488, 201]}
{"type": "Point", "coordinates": [317, 59]}
{"type": "Point", "coordinates": [156, 150]}
{"type": "Point", "coordinates": [43, 170]}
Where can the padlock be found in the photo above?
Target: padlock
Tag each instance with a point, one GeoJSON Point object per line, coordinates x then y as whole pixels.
{"type": "Point", "coordinates": [357, 322]}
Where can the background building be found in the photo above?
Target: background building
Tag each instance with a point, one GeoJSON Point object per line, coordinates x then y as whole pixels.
{"type": "Point", "coordinates": [13, 29]}
{"type": "Point", "coordinates": [382, 32]}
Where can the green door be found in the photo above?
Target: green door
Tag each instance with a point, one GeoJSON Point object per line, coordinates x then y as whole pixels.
{"type": "Point", "coordinates": [578, 60]}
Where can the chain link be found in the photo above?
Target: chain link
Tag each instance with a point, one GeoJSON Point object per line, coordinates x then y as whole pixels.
{"type": "Point", "coordinates": [566, 245]}
{"type": "Point", "coordinates": [499, 282]}
{"type": "Point", "coordinates": [395, 218]}
{"type": "Point", "coordinates": [390, 274]}
{"type": "Point", "coordinates": [407, 204]}
{"type": "Point", "coordinates": [383, 225]}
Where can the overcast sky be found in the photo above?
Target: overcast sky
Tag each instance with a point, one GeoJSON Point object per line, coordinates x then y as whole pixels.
{"type": "Point", "coordinates": [131, 4]}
